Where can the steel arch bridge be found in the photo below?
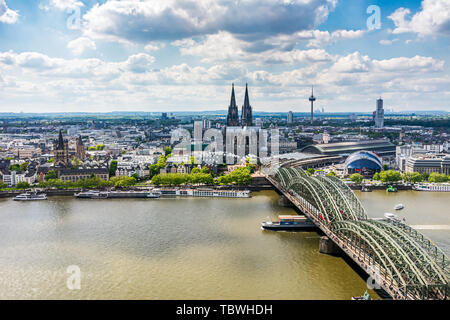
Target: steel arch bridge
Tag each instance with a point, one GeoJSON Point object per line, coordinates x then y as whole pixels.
{"type": "Point", "coordinates": [404, 262]}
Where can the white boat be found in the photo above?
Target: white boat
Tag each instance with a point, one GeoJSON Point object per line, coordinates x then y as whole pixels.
{"type": "Point", "coordinates": [391, 216]}
{"type": "Point", "coordinates": [399, 206]}
{"type": "Point", "coordinates": [30, 196]}
{"type": "Point", "coordinates": [92, 195]}
{"type": "Point", "coordinates": [438, 187]}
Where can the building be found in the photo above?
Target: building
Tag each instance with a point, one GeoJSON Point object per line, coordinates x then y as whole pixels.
{"type": "Point", "coordinates": [428, 164]}
{"type": "Point", "coordinates": [61, 151]}
{"type": "Point", "coordinates": [383, 148]}
{"type": "Point", "coordinates": [363, 162]}
{"type": "Point", "coordinates": [80, 151]}
{"type": "Point", "coordinates": [379, 114]}
{"type": "Point", "coordinates": [73, 175]}
{"type": "Point", "coordinates": [290, 117]}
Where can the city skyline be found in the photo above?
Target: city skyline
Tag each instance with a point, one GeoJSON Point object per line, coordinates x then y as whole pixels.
{"type": "Point", "coordinates": [103, 56]}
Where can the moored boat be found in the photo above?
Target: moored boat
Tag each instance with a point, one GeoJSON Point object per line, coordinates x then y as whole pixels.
{"type": "Point", "coordinates": [438, 187]}
{"type": "Point", "coordinates": [30, 196]}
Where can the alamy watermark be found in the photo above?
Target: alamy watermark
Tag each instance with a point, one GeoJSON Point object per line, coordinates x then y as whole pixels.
{"type": "Point", "coordinates": [74, 280]}
{"type": "Point", "coordinates": [374, 21]}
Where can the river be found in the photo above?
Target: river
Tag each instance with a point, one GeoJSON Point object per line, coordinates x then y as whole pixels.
{"type": "Point", "coordinates": [181, 248]}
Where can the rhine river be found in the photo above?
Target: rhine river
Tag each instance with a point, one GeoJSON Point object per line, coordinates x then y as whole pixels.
{"type": "Point", "coordinates": [183, 248]}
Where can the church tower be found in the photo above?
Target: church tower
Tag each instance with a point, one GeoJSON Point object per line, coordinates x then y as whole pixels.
{"type": "Point", "coordinates": [246, 117]}
{"type": "Point", "coordinates": [79, 149]}
{"type": "Point", "coordinates": [61, 151]}
{"type": "Point", "coordinates": [233, 116]}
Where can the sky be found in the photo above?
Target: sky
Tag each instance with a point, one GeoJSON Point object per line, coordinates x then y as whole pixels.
{"type": "Point", "coordinates": [183, 55]}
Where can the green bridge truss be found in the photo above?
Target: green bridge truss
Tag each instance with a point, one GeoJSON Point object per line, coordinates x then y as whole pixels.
{"type": "Point", "coordinates": [408, 261]}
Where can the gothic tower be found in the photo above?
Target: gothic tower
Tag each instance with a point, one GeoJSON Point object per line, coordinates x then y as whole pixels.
{"type": "Point", "coordinates": [79, 149]}
{"type": "Point", "coordinates": [246, 117]}
{"type": "Point", "coordinates": [233, 116]}
{"type": "Point", "coordinates": [61, 151]}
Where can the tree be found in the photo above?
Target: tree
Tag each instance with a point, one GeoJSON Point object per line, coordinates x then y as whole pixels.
{"type": "Point", "coordinates": [331, 174]}
{"type": "Point", "coordinates": [51, 160]}
{"type": "Point", "coordinates": [376, 176]}
{"type": "Point", "coordinates": [310, 171]}
{"type": "Point", "coordinates": [76, 163]}
{"type": "Point", "coordinates": [135, 175]}
{"type": "Point", "coordinates": [3, 185]}
{"type": "Point", "coordinates": [167, 151]}
{"type": "Point", "coordinates": [356, 178]}
{"type": "Point", "coordinates": [24, 166]}
{"type": "Point", "coordinates": [437, 177]}
{"type": "Point", "coordinates": [23, 185]}
{"type": "Point", "coordinates": [14, 167]}
{"type": "Point", "coordinates": [412, 177]}
{"type": "Point", "coordinates": [51, 175]}
{"type": "Point", "coordinates": [113, 168]}
{"type": "Point", "coordinates": [390, 176]}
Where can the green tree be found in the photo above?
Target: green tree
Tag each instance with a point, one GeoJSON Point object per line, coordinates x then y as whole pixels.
{"type": "Point", "coordinates": [2, 185]}
{"type": "Point", "coordinates": [135, 175]}
{"type": "Point", "coordinates": [331, 174]}
{"type": "Point", "coordinates": [22, 185]}
{"type": "Point", "coordinates": [51, 160]}
{"type": "Point", "coordinates": [412, 177]}
{"type": "Point", "coordinates": [24, 166]}
{"type": "Point", "coordinates": [390, 176]}
{"type": "Point", "coordinates": [14, 167]}
{"type": "Point", "coordinates": [167, 151]}
{"type": "Point", "coordinates": [310, 171]}
{"type": "Point", "coordinates": [51, 175]}
{"type": "Point", "coordinates": [356, 178]}
{"type": "Point", "coordinates": [113, 168]}
{"type": "Point", "coordinates": [437, 177]}
{"type": "Point", "coordinates": [376, 176]}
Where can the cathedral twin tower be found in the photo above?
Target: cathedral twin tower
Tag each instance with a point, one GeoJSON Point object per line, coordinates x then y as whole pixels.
{"type": "Point", "coordinates": [233, 114]}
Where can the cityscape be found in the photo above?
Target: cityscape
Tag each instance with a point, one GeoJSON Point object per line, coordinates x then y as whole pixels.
{"type": "Point", "coordinates": [192, 175]}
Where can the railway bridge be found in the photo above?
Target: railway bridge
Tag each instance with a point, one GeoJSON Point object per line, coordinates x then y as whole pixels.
{"type": "Point", "coordinates": [403, 262]}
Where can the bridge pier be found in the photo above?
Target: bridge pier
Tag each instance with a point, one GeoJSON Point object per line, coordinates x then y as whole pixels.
{"type": "Point", "coordinates": [284, 202]}
{"type": "Point", "coordinates": [327, 246]}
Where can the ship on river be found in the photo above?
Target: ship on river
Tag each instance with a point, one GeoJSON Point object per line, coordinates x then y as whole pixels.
{"type": "Point", "coordinates": [154, 194]}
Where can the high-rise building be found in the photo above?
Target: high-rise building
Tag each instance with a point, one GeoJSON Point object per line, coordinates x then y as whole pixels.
{"type": "Point", "coordinates": [233, 114]}
{"type": "Point", "coordinates": [290, 117]}
{"type": "Point", "coordinates": [246, 116]}
{"type": "Point", "coordinates": [379, 114]}
{"type": "Point", "coordinates": [312, 99]}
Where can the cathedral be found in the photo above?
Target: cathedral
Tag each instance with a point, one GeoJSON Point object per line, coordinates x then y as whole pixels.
{"type": "Point", "coordinates": [61, 151]}
{"type": "Point", "coordinates": [233, 114]}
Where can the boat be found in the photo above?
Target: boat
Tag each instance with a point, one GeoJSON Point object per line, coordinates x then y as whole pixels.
{"type": "Point", "coordinates": [119, 194]}
{"type": "Point", "coordinates": [399, 206]}
{"type": "Point", "coordinates": [391, 189]}
{"type": "Point", "coordinates": [365, 296]}
{"type": "Point", "coordinates": [393, 217]}
{"type": "Point", "coordinates": [366, 189]}
{"type": "Point", "coordinates": [205, 192]}
{"type": "Point", "coordinates": [438, 187]}
{"type": "Point", "coordinates": [289, 223]}
{"type": "Point", "coordinates": [30, 196]}
{"type": "Point", "coordinates": [92, 195]}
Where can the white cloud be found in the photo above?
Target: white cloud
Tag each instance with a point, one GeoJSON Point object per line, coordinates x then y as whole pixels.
{"type": "Point", "coordinates": [7, 15]}
{"type": "Point", "coordinates": [385, 42]}
{"type": "Point", "coordinates": [154, 46]}
{"type": "Point", "coordinates": [434, 17]}
{"type": "Point", "coordinates": [62, 5]}
{"type": "Point", "coordinates": [150, 20]}
{"type": "Point", "coordinates": [81, 45]}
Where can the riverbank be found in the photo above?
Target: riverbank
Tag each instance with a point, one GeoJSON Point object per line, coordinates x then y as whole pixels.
{"type": "Point", "coordinates": [259, 184]}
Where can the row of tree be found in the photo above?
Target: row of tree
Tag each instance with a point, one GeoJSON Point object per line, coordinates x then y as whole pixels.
{"type": "Point", "coordinates": [241, 176]}
{"type": "Point", "coordinates": [392, 176]}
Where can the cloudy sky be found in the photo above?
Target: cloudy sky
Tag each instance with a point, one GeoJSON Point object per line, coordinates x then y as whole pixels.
{"type": "Point", "coordinates": [179, 55]}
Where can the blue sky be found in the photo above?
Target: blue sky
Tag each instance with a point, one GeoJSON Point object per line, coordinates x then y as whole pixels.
{"type": "Point", "coordinates": [179, 55]}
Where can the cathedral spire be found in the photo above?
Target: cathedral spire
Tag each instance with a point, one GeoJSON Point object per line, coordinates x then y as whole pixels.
{"type": "Point", "coordinates": [233, 117]}
{"type": "Point", "coordinates": [246, 117]}
{"type": "Point", "coordinates": [60, 145]}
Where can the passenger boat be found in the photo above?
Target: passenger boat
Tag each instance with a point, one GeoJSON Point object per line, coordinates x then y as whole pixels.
{"type": "Point", "coordinates": [399, 206]}
{"type": "Point", "coordinates": [204, 192]}
{"type": "Point", "coordinates": [30, 196]}
{"type": "Point", "coordinates": [289, 223]}
{"type": "Point", "coordinates": [439, 187]}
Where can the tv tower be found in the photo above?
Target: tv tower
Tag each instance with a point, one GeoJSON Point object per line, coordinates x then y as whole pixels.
{"type": "Point", "coordinates": [312, 99]}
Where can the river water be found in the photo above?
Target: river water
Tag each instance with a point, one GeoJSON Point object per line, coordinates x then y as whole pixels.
{"type": "Point", "coordinates": [182, 248]}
